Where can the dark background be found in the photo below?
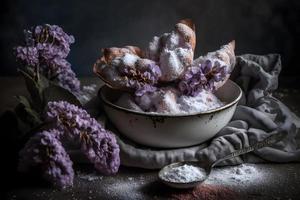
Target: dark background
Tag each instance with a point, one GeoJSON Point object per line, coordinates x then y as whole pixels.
{"type": "Point", "coordinates": [258, 26]}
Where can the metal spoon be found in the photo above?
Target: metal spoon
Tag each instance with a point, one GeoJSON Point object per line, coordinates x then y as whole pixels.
{"type": "Point", "coordinates": [206, 166]}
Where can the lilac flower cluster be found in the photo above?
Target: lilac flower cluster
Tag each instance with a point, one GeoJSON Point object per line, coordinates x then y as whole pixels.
{"type": "Point", "coordinates": [45, 152]}
{"type": "Point", "coordinates": [70, 124]}
{"type": "Point", "coordinates": [98, 144]}
{"type": "Point", "coordinates": [67, 78]}
{"type": "Point", "coordinates": [142, 81]}
{"type": "Point", "coordinates": [50, 39]}
{"type": "Point", "coordinates": [203, 77]}
{"type": "Point", "coordinates": [47, 47]}
{"type": "Point", "coordinates": [29, 55]}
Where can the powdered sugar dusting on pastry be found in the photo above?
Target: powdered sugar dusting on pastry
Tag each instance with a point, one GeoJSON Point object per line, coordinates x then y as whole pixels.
{"type": "Point", "coordinates": [168, 101]}
{"type": "Point", "coordinates": [173, 51]}
{"type": "Point", "coordinates": [148, 101]}
{"type": "Point", "coordinates": [129, 59]}
{"type": "Point", "coordinates": [159, 79]}
{"type": "Point", "coordinates": [225, 56]}
{"type": "Point", "coordinates": [170, 65]}
{"type": "Point", "coordinates": [163, 100]}
{"type": "Point", "coordinates": [153, 48]}
{"type": "Point", "coordinates": [204, 101]}
{"type": "Point", "coordinates": [173, 41]}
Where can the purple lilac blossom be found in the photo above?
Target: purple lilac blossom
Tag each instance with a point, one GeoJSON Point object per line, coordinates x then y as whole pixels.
{"type": "Point", "coordinates": [67, 79]}
{"type": "Point", "coordinates": [47, 46]}
{"type": "Point", "coordinates": [45, 152]}
{"type": "Point", "coordinates": [28, 55]}
{"type": "Point", "coordinates": [142, 81]}
{"type": "Point", "coordinates": [65, 75]}
{"type": "Point", "coordinates": [203, 77]}
{"type": "Point", "coordinates": [97, 144]}
{"type": "Point", "coordinates": [54, 35]}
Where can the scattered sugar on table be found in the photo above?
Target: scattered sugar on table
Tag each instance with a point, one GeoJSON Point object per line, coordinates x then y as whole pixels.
{"type": "Point", "coordinates": [241, 174]}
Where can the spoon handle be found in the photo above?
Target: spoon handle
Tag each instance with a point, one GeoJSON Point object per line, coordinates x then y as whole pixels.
{"type": "Point", "coordinates": [266, 142]}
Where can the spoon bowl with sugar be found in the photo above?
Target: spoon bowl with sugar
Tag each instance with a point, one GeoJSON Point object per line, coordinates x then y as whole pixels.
{"type": "Point", "coordinates": [189, 174]}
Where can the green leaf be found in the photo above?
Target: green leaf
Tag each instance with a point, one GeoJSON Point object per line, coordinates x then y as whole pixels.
{"type": "Point", "coordinates": [34, 90]}
{"type": "Point", "coordinates": [57, 93]}
{"type": "Point", "coordinates": [25, 112]}
{"type": "Point", "coordinates": [43, 82]}
{"type": "Point", "coordinates": [23, 100]}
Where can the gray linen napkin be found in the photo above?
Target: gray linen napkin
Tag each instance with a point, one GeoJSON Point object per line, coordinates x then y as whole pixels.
{"type": "Point", "coordinates": [257, 116]}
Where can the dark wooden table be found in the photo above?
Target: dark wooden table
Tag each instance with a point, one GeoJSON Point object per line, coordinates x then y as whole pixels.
{"type": "Point", "coordinates": [276, 181]}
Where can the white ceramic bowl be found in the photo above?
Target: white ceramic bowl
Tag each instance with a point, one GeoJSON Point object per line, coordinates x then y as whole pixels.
{"type": "Point", "coordinates": [171, 131]}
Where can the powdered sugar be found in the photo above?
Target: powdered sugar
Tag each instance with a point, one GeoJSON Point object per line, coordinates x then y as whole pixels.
{"type": "Point", "coordinates": [89, 177]}
{"type": "Point", "coordinates": [153, 48]}
{"type": "Point", "coordinates": [129, 59]}
{"type": "Point", "coordinates": [170, 65]}
{"type": "Point", "coordinates": [167, 103]}
{"type": "Point", "coordinates": [173, 41]}
{"type": "Point", "coordinates": [125, 188]}
{"type": "Point", "coordinates": [183, 54]}
{"type": "Point", "coordinates": [171, 103]}
{"type": "Point", "coordinates": [168, 100]}
{"type": "Point", "coordinates": [184, 174]}
{"type": "Point", "coordinates": [173, 52]}
{"type": "Point", "coordinates": [204, 101]}
{"type": "Point", "coordinates": [243, 174]}
{"type": "Point", "coordinates": [238, 175]}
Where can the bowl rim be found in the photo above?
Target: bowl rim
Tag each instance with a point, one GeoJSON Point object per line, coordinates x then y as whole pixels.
{"type": "Point", "coordinates": [152, 114]}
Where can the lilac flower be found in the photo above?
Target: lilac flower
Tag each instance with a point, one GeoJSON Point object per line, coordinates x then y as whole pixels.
{"type": "Point", "coordinates": [45, 152]}
{"type": "Point", "coordinates": [54, 35]}
{"type": "Point", "coordinates": [67, 79]}
{"type": "Point", "coordinates": [49, 52]}
{"type": "Point", "coordinates": [47, 47]}
{"type": "Point", "coordinates": [203, 77]}
{"type": "Point", "coordinates": [28, 55]}
{"type": "Point", "coordinates": [144, 89]}
{"type": "Point", "coordinates": [98, 144]}
{"type": "Point", "coordinates": [142, 81]}
{"type": "Point", "coordinates": [62, 71]}
{"type": "Point", "coordinates": [50, 40]}
{"type": "Point", "coordinates": [102, 150]}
